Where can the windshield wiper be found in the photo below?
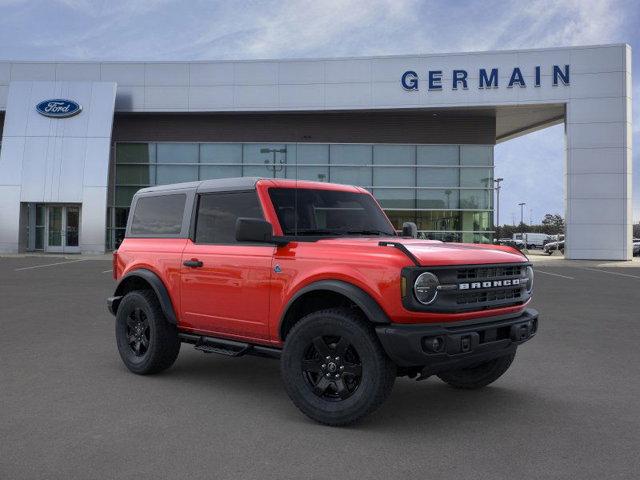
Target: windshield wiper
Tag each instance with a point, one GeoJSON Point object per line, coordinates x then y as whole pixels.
{"type": "Point", "coordinates": [319, 231]}
{"type": "Point", "coordinates": [369, 232]}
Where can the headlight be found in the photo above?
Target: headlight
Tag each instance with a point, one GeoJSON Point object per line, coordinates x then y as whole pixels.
{"type": "Point", "coordinates": [529, 279]}
{"type": "Point", "coordinates": [426, 288]}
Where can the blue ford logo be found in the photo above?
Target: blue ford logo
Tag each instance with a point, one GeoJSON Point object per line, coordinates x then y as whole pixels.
{"type": "Point", "coordinates": [58, 108]}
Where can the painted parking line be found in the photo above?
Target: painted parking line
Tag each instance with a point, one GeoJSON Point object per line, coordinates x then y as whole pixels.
{"type": "Point", "coordinates": [108, 271]}
{"type": "Point", "coordinates": [48, 265]}
{"type": "Point", "coordinates": [554, 274]}
{"type": "Point", "coordinates": [610, 273]}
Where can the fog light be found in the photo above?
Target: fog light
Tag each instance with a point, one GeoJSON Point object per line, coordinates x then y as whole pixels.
{"type": "Point", "coordinates": [434, 344]}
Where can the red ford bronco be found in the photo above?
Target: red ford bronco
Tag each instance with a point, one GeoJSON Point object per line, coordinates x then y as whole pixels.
{"type": "Point", "coordinates": [314, 274]}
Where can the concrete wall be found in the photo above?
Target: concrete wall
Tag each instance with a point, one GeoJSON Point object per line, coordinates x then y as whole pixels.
{"type": "Point", "coordinates": [56, 160]}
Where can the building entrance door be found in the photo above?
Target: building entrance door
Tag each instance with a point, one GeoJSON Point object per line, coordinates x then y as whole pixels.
{"type": "Point", "coordinates": [61, 229]}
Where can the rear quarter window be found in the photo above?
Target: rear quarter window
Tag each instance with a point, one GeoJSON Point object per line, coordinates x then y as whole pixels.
{"type": "Point", "coordinates": [159, 215]}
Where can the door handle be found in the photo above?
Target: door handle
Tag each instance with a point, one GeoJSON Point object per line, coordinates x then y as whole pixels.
{"type": "Point", "coordinates": [193, 263]}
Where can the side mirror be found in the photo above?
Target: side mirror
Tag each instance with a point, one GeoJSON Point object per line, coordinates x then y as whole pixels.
{"type": "Point", "coordinates": [409, 229]}
{"type": "Point", "coordinates": [253, 230]}
{"type": "Point", "coordinates": [256, 230]}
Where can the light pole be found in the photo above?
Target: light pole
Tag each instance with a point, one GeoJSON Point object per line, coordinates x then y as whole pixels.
{"type": "Point", "coordinates": [497, 181]}
{"type": "Point", "coordinates": [274, 166]}
{"type": "Point", "coordinates": [522, 214]}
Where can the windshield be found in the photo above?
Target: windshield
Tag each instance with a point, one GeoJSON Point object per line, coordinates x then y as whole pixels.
{"type": "Point", "coordinates": [328, 212]}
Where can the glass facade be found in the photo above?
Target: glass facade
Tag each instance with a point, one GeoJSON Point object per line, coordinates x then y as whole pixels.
{"type": "Point", "coordinates": [447, 190]}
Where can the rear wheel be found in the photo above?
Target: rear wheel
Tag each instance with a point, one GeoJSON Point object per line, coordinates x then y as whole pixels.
{"type": "Point", "coordinates": [146, 341]}
{"type": "Point", "coordinates": [334, 368]}
{"type": "Point", "coordinates": [478, 376]}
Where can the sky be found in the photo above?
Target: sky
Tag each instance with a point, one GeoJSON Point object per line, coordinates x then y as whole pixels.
{"type": "Point", "coordinates": [532, 165]}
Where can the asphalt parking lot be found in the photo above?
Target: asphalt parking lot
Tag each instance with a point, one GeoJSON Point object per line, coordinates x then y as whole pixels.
{"type": "Point", "coordinates": [569, 407]}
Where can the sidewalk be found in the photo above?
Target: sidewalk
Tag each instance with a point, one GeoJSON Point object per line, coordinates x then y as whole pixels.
{"type": "Point", "coordinates": [558, 260]}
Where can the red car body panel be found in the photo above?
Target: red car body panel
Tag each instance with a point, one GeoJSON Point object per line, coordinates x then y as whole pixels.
{"type": "Point", "coordinates": [236, 293]}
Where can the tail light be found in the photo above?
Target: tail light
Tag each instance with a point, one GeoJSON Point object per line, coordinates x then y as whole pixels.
{"type": "Point", "coordinates": [114, 265]}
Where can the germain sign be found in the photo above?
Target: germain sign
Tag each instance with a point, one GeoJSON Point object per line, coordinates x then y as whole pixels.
{"type": "Point", "coordinates": [487, 78]}
{"type": "Point", "coordinates": [58, 108]}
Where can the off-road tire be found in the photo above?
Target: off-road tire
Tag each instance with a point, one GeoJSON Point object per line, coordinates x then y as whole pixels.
{"type": "Point", "coordinates": [377, 371]}
{"type": "Point", "coordinates": [161, 336]}
{"type": "Point", "coordinates": [478, 376]}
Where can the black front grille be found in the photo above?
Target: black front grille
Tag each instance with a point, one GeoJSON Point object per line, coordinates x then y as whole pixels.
{"type": "Point", "coordinates": [472, 287]}
{"type": "Point", "coordinates": [480, 273]}
{"type": "Point", "coordinates": [514, 293]}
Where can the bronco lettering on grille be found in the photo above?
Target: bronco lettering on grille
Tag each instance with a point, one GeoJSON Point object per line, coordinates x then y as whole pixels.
{"type": "Point", "coordinates": [489, 284]}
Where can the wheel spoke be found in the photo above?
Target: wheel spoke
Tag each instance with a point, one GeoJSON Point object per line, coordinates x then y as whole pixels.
{"type": "Point", "coordinates": [138, 314]}
{"type": "Point", "coordinates": [131, 322]}
{"type": "Point", "coordinates": [341, 347]}
{"type": "Point", "coordinates": [321, 346]}
{"type": "Point", "coordinates": [341, 388]}
{"type": "Point", "coordinates": [312, 365]}
{"type": "Point", "coordinates": [136, 346]}
{"type": "Point", "coordinates": [352, 369]}
{"type": "Point", "coordinates": [145, 341]}
{"type": "Point", "coordinates": [321, 386]}
{"type": "Point", "coordinates": [131, 339]}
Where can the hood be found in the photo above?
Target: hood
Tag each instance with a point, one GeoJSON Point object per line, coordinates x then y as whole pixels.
{"type": "Point", "coordinates": [435, 253]}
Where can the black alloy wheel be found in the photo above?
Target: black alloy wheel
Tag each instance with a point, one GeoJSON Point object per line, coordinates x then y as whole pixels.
{"type": "Point", "coordinates": [138, 332]}
{"type": "Point", "coordinates": [332, 367]}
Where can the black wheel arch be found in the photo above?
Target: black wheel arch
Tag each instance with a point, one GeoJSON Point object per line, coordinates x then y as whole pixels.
{"type": "Point", "coordinates": [143, 279]}
{"type": "Point", "coordinates": [338, 288]}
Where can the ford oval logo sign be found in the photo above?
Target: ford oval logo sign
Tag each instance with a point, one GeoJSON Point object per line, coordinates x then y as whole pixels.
{"type": "Point", "coordinates": [58, 108]}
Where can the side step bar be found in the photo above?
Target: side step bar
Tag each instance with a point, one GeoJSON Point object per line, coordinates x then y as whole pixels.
{"type": "Point", "coordinates": [231, 348]}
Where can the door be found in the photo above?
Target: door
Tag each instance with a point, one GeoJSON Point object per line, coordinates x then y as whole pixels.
{"type": "Point", "coordinates": [225, 284]}
{"type": "Point", "coordinates": [55, 229]}
{"type": "Point", "coordinates": [62, 228]}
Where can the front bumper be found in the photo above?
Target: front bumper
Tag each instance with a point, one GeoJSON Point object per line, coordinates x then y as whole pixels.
{"type": "Point", "coordinates": [442, 347]}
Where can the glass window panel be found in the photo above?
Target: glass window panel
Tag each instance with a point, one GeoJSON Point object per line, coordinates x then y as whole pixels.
{"type": "Point", "coordinates": [438, 199]}
{"type": "Point", "coordinates": [124, 195]}
{"type": "Point", "coordinates": [438, 155]}
{"type": "Point", "coordinates": [312, 154]}
{"type": "Point", "coordinates": [350, 155]}
{"type": "Point", "coordinates": [135, 174]}
{"type": "Point", "coordinates": [39, 238]}
{"type": "Point", "coordinates": [476, 199]}
{"type": "Point", "coordinates": [218, 212]}
{"type": "Point", "coordinates": [221, 153]}
{"type": "Point", "coordinates": [159, 215]}
{"type": "Point", "coordinates": [476, 155]}
{"type": "Point", "coordinates": [351, 175]}
{"type": "Point", "coordinates": [476, 177]}
{"type": "Point", "coordinates": [176, 174]}
{"type": "Point", "coordinates": [261, 164]}
{"type": "Point", "coordinates": [177, 153]}
{"type": "Point", "coordinates": [316, 174]}
{"type": "Point", "coordinates": [135, 152]}
{"type": "Point", "coordinates": [394, 176]}
{"type": "Point", "coordinates": [121, 215]}
{"type": "Point", "coordinates": [438, 177]}
{"type": "Point", "coordinates": [219, 171]}
{"type": "Point", "coordinates": [40, 215]}
{"type": "Point", "coordinates": [477, 221]}
{"type": "Point", "coordinates": [447, 220]}
{"type": "Point", "coordinates": [394, 154]}
{"type": "Point", "coordinates": [395, 197]}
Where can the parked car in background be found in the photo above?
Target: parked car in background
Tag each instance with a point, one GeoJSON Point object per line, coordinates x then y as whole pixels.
{"type": "Point", "coordinates": [510, 242]}
{"type": "Point", "coordinates": [636, 247]}
{"type": "Point", "coordinates": [551, 247]}
{"type": "Point", "coordinates": [533, 240]}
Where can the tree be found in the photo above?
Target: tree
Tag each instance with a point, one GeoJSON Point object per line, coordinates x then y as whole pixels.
{"type": "Point", "coordinates": [554, 221]}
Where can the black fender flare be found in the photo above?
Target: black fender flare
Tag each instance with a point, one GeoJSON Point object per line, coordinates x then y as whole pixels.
{"type": "Point", "coordinates": [362, 299]}
{"type": "Point", "coordinates": [156, 284]}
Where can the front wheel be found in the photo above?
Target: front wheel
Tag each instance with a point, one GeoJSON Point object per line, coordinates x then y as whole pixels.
{"type": "Point", "coordinates": [334, 368]}
{"type": "Point", "coordinates": [478, 376]}
{"type": "Point", "coordinates": [146, 341]}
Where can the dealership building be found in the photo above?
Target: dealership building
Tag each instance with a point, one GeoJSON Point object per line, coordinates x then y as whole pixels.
{"type": "Point", "coordinates": [80, 138]}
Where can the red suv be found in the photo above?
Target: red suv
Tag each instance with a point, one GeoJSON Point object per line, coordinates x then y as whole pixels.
{"type": "Point", "coordinates": [314, 274]}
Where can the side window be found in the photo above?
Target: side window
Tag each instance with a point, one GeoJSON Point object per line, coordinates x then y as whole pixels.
{"type": "Point", "coordinates": [158, 215]}
{"type": "Point", "coordinates": [218, 212]}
